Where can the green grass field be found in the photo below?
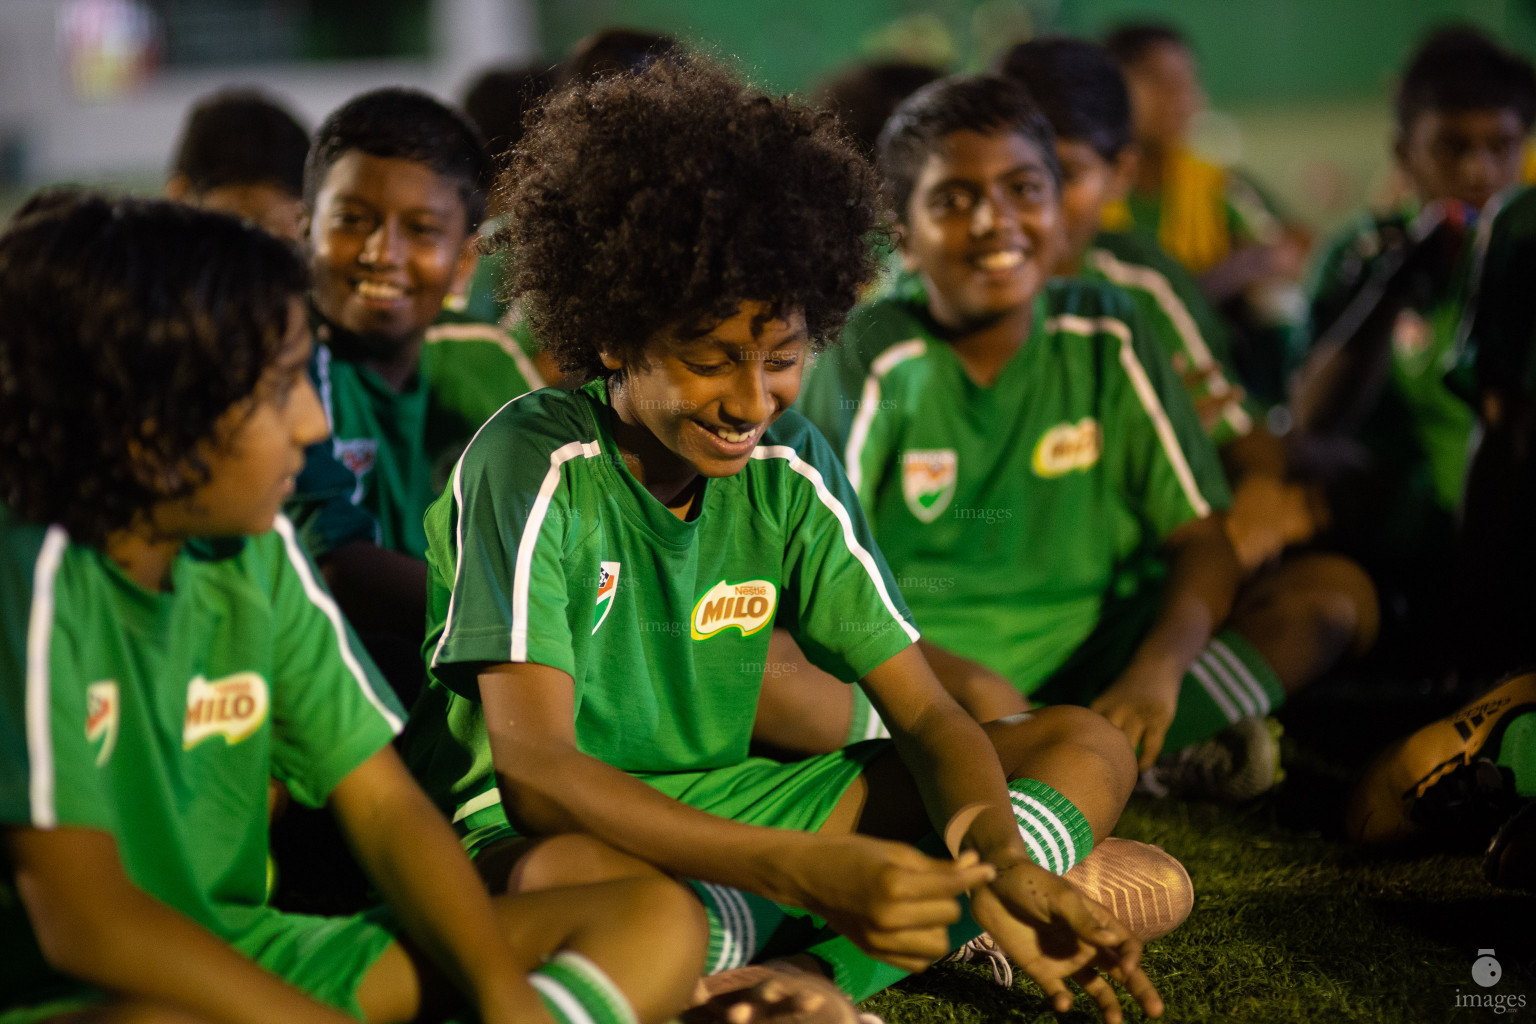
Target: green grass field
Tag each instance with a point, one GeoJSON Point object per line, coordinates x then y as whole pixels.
{"type": "Point", "coordinates": [1289, 923]}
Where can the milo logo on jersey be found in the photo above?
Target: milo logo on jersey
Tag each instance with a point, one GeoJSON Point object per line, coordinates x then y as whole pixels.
{"type": "Point", "coordinates": [747, 606]}
{"type": "Point", "coordinates": [233, 707]}
{"type": "Point", "coordinates": [1067, 447]}
{"type": "Point", "coordinates": [103, 712]}
{"type": "Point", "coordinates": [928, 479]}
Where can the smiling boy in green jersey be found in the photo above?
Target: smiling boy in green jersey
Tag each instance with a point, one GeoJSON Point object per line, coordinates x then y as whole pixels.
{"type": "Point", "coordinates": [1079, 88]}
{"type": "Point", "coordinates": [168, 647]}
{"type": "Point", "coordinates": [394, 187]}
{"type": "Point", "coordinates": [1371, 387]}
{"type": "Point", "coordinates": [1026, 444]}
{"type": "Point", "coordinates": [607, 564]}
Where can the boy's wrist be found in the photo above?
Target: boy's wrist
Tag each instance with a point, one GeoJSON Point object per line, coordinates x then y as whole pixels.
{"type": "Point", "coordinates": [783, 869]}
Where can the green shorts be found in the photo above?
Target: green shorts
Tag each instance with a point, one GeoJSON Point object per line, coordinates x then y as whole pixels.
{"type": "Point", "coordinates": [795, 795]}
{"type": "Point", "coordinates": [328, 957]}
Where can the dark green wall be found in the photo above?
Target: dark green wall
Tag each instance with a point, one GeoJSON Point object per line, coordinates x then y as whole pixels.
{"type": "Point", "coordinates": [1252, 51]}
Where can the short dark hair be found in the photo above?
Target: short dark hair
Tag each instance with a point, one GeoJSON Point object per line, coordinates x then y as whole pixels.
{"type": "Point", "coordinates": [667, 198]}
{"type": "Point", "coordinates": [863, 96]}
{"type": "Point", "coordinates": [498, 102]}
{"type": "Point", "coordinates": [1130, 41]}
{"type": "Point", "coordinates": [241, 137]}
{"type": "Point", "coordinates": [1078, 88]}
{"type": "Point", "coordinates": [408, 125]}
{"type": "Point", "coordinates": [1457, 68]}
{"type": "Point", "coordinates": [986, 104]}
{"type": "Point", "coordinates": [616, 51]}
{"type": "Point", "coordinates": [128, 327]}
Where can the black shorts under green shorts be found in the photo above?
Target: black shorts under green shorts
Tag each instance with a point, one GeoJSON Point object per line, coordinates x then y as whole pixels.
{"type": "Point", "coordinates": [328, 957]}
{"type": "Point", "coordinates": [796, 795]}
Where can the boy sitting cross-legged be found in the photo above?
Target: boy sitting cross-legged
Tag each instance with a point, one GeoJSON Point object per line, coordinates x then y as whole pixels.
{"type": "Point", "coordinates": [168, 647]}
{"type": "Point", "coordinates": [608, 562]}
{"type": "Point", "coordinates": [1038, 478]}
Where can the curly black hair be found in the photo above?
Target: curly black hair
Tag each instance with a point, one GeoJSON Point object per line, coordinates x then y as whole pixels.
{"type": "Point", "coordinates": [668, 197]}
{"type": "Point", "coordinates": [409, 125]}
{"type": "Point", "coordinates": [1457, 68]}
{"type": "Point", "coordinates": [127, 329]}
{"type": "Point", "coordinates": [985, 104]}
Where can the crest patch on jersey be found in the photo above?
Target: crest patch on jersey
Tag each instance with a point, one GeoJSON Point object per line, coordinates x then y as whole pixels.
{"type": "Point", "coordinates": [1067, 447]}
{"type": "Point", "coordinates": [233, 707]}
{"type": "Point", "coordinates": [607, 586]}
{"type": "Point", "coordinates": [103, 712]}
{"type": "Point", "coordinates": [747, 606]}
{"type": "Point", "coordinates": [1411, 336]}
{"type": "Point", "coordinates": [928, 479]}
{"type": "Point", "coordinates": [358, 454]}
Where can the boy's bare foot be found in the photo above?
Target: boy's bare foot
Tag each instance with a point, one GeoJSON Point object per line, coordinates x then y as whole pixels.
{"type": "Point", "coordinates": [779, 991]}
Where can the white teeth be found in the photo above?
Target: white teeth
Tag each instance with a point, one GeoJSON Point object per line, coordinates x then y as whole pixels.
{"type": "Point", "coordinates": [379, 290]}
{"type": "Point", "coordinates": [732, 436]}
{"type": "Point", "coordinates": [1005, 260]}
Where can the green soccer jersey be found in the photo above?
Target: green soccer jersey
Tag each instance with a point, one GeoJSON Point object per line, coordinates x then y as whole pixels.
{"type": "Point", "coordinates": [1014, 514]}
{"type": "Point", "coordinates": [1180, 319]}
{"type": "Point", "coordinates": [547, 550]}
{"type": "Point", "coordinates": [1420, 430]}
{"type": "Point", "coordinates": [159, 718]}
{"type": "Point", "coordinates": [390, 451]}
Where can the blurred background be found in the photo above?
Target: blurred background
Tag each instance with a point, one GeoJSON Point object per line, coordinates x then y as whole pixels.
{"type": "Point", "coordinates": [95, 90]}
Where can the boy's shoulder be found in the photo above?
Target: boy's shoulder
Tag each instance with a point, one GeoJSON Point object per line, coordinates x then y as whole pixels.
{"type": "Point", "coordinates": [532, 430]}
{"type": "Point", "coordinates": [1113, 250]}
{"type": "Point", "coordinates": [1077, 305]}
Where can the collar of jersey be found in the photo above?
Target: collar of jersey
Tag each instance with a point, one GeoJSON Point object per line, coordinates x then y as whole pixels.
{"type": "Point", "coordinates": [1009, 377]}
{"type": "Point", "coordinates": [634, 502]}
{"type": "Point", "coordinates": [328, 333]}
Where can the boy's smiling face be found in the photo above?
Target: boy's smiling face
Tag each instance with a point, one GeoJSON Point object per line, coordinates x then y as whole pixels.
{"type": "Point", "coordinates": [982, 227]}
{"type": "Point", "coordinates": [707, 399]}
{"type": "Point", "coordinates": [257, 450]}
{"type": "Point", "coordinates": [389, 241]}
{"type": "Point", "coordinates": [1468, 155]}
{"type": "Point", "coordinates": [1088, 184]}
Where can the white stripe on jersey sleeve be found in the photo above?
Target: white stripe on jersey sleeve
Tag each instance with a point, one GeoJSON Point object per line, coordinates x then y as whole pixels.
{"type": "Point", "coordinates": [45, 813]}
{"type": "Point", "coordinates": [491, 333]}
{"type": "Point", "coordinates": [323, 370]}
{"type": "Point", "coordinates": [322, 600]}
{"type": "Point", "coordinates": [838, 509]}
{"type": "Point", "coordinates": [869, 404]}
{"type": "Point", "coordinates": [529, 540]}
{"type": "Point", "coordinates": [1146, 393]}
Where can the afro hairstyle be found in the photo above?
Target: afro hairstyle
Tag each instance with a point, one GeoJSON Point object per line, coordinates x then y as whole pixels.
{"type": "Point", "coordinates": [985, 104]}
{"type": "Point", "coordinates": [616, 51]}
{"type": "Point", "coordinates": [404, 124]}
{"type": "Point", "coordinates": [241, 137]}
{"type": "Point", "coordinates": [127, 329]}
{"type": "Point", "coordinates": [666, 198]}
{"type": "Point", "coordinates": [1458, 69]}
{"type": "Point", "coordinates": [1078, 88]}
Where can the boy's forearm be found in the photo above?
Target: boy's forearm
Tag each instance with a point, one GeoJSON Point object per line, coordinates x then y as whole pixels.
{"type": "Point", "coordinates": [411, 854]}
{"type": "Point", "coordinates": [1202, 581]}
{"type": "Point", "coordinates": [950, 758]}
{"type": "Point", "coordinates": [94, 925]}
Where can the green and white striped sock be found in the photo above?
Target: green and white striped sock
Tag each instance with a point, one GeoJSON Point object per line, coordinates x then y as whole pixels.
{"type": "Point", "coordinates": [576, 991]}
{"type": "Point", "coordinates": [740, 924]}
{"type": "Point", "coordinates": [1057, 834]}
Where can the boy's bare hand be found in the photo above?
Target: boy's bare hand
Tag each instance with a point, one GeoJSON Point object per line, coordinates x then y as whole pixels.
{"type": "Point", "coordinates": [1052, 932]}
{"type": "Point", "coordinates": [894, 902]}
{"type": "Point", "coordinates": [1141, 706]}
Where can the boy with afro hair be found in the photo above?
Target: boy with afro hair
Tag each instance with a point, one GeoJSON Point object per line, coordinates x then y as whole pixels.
{"type": "Point", "coordinates": [608, 562]}
{"type": "Point", "coordinates": [167, 648]}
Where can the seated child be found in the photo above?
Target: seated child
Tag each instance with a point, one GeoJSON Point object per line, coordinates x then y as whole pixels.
{"type": "Point", "coordinates": [170, 647]}
{"type": "Point", "coordinates": [1081, 92]}
{"type": "Point", "coordinates": [242, 153]}
{"type": "Point", "coordinates": [1039, 480]}
{"type": "Point", "coordinates": [607, 561]}
{"type": "Point", "coordinates": [394, 187]}
{"type": "Point", "coordinates": [1387, 300]}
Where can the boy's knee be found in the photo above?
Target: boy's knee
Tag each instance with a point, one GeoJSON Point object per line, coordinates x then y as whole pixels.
{"type": "Point", "coordinates": [575, 859]}
{"type": "Point", "coordinates": [674, 918]}
{"type": "Point", "coordinates": [1087, 734]}
{"type": "Point", "coordinates": [1335, 599]}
